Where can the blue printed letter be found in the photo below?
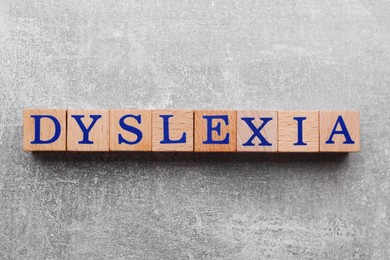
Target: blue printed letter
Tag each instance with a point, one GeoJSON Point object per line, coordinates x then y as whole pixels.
{"type": "Point", "coordinates": [166, 139]}
{"type": "Point", "coordinates": [256, 131]}
{"type": "Point", "coordinates": [37, 131]}
{"type": "Point", "coordinates": [300, 130]}
{"type": "Point", "coordinates": [131, 129]}
{"type": "Point", "coordinates": [217, 129]}
{"type": "Point", "coordinates": [84, 129]}
{"type": "Point", "coordinates": [343, 131]}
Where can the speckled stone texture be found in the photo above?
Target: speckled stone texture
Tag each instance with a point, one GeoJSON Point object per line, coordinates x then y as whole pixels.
{"type": "Point", "coordinates": [195, 55]}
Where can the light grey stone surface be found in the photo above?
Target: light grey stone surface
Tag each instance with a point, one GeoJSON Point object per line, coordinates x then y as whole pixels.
{"type": "Point", "coordinates": [195, 55]}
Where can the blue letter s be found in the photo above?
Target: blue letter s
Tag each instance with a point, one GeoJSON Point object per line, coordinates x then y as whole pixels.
{"type": "Point", "coordinates": [131, 129]}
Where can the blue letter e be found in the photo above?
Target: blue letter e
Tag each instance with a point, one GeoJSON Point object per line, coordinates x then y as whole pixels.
{"type": "Point", "coordinates": [84, 128]}
{"type": "Point", "coordinates": [217, 129]}
{"type": "Point", "coordinates": [37, 129]}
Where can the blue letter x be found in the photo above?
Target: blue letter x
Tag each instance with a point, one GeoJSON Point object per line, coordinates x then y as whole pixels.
{"type": "Point", "coordinates": [256, 131]}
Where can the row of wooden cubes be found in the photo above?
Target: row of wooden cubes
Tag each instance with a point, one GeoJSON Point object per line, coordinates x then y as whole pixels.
{"type": "Point", "coordinates": [187, 130]}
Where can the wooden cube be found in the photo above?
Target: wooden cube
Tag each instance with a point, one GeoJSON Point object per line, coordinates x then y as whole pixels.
{"type": "Point", "coordinates": [88, 130]}
{"type": "Point", "coordinates": [172, 130]}
{"type": "Point", "coordinates": [298, 131]}
{"type": "Point", "coordinates": [215, 131]}
{"type": "Point", "coordinates": [130, 130]}
{"type": "Point", "coordinates": [339, 131]}
{"type": "Point", "coordinates": [44, 130]}
{"type": "Point", "coordinates": [257, 131]}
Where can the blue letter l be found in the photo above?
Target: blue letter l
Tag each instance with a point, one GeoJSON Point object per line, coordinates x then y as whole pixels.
{"type": "Point", "coordinates": [166, 139]}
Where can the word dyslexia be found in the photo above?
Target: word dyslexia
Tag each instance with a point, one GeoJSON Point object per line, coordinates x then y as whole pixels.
{"type": "Point", "coordinates": [191, 131]}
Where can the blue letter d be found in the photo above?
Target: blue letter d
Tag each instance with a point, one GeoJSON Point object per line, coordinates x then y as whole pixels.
{"type": "Point", "coordinates": [37, 129]}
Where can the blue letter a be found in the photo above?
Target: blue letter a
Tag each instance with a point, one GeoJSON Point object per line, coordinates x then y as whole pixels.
{"type": "Point", "coordinates": [343, 131]}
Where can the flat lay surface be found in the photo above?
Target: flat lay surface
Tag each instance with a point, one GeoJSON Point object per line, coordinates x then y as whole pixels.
{"type": "Point", "coordinates": [243, 55]}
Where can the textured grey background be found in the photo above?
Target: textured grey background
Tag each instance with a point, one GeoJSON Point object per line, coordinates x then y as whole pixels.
{"type": "Point", "coordinates": [195, 54]}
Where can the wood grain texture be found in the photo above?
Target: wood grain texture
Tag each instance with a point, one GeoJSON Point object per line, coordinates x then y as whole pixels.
{"type": "Point", "coordinates": [47, 130]}
{"type": "Point", "coordinates": [182, 121]}
{"type": "Point", "coordinates": [269, 131]}
{"type": "Point", "coordinates": [145, 126]}
{"type": "Point", "coordinates": [201, 131]}
{"type": "Point", "coordinates": [99, 133]}
{"type": "Point", "coordinates": [288, 131]}
{"type": "Point", "coordinates": [328, 120]}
